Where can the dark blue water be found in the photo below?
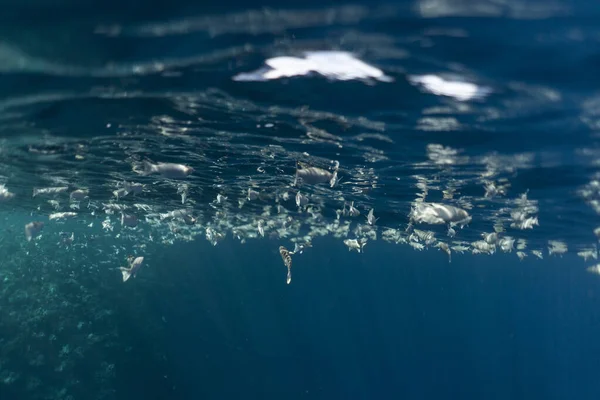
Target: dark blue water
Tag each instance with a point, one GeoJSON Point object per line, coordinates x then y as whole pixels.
{"type": "Point", "coordinates": [491, 107]}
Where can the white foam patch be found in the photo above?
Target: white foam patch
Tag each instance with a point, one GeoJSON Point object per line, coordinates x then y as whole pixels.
{"type": "Point", "coordinates": [462, 91]}
{"type": "Point", "coordinates": [337, 65]}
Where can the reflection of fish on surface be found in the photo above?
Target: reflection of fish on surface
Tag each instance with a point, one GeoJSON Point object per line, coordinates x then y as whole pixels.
{"type": "Point", "coordinates": [134, 265]}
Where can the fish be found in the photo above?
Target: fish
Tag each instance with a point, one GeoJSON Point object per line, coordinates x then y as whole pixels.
{"type": "Point", "coordinates": [133, 187]}
{"type": "Point", "coordinates": [122, 192]}
{"type": "Point", "coordinates": [168, 170]}
{"type": "Point", "coordinates": [287, 261]}
{"type": "Point", "coordinates": [220, 199]}
{"type": "Point", "coordinates": [5, 194]}
{"type": "Point", "coordinates": [183, 191]}
{"type": "Point", "coordinates": [60, 215]}
{"type": "Point", "coordinates": [594, 269]}
{"type": "Point", "coordinates": [436, 213]}
{"type": "Point", "coordinates": [252, 194]}
{"type": "Point", "coordinates": [301, 200]}
{"type": "Point", "coordinates": [445, 248]}
{"type": "Point", "coordinates": [354, 244]}
{"type": "Point", "coordinates": [129, 220]}
{"type": "Point", "coordinates": [185, 215]}
{"type": "Point", "coordinates": [49, 190]}
{"type": "Point", "coordinates": [79, 194]}
{"type": "Point", "coordinates": [352, 211]}
{"type": "Point", "coordinates": [313, 175]}
{"type": "Point", "coordinates": [134, 265]}
{"type": "Point", "coordinates": [371, 218]}
{"type": "Point", "coordinates": [32, 229]}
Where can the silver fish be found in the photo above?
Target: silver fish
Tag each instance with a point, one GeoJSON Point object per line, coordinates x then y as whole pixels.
{"type": "Point", "coordinates": [301, 200]}
{"type": "Point", "coordinates": [134, 265]}
{"type": "Point", "coordinates": [61, 215]}
{"type": "Point", "coordinates": [287, 261]}
{"type": "Point", "coordinates": [49, 190]}
{"type": "Point", "coordinates": [183, 191]}
{"type": "Point", "coordinates": [5, 194]}
{"type": "Point", "coordinates": [353, 211]}
{"type": "Point", "coordinates": [32, 229]}
{"type": "Point", "coordinates": [354, 244]}
{"type": "Point", "coordinates": [129, 220]}
{"type": "Point", "coordinates": [79, 194]}
{"type": "Point", "coordinates": [122, 192]}
{"type": "Point", "coordinates": [168, 170]}
{"type": "Point", "coordinates": [313, 175]}
{"type": "Point", "coordinates": [252, 194]}
{"type": "Point", "coordinates": [371, 218]}
{"type": "Point", "coordinates": [134, 188]}
{"type": "Point", "coordinates": [435, 213]}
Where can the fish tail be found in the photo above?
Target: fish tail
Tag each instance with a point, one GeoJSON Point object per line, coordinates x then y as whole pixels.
{"type": "Point", "coordinates": [126, 273]}
{"type": "Point", "coordinates": [35, 192]}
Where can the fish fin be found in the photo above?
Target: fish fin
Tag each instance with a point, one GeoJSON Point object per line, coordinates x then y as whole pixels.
{"type": "Point", "coordinates": [126, 273]}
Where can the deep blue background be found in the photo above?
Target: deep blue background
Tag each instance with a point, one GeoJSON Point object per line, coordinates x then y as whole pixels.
{"type": "Point", "coordinates": [390, 323]}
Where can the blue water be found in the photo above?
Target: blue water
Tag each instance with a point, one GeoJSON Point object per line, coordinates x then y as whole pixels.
{"type": "Point", "coordinates": [486, 106]}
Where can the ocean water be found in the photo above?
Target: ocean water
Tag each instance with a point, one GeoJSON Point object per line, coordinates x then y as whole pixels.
{"type": "Point", "coordinates": [222, 141]}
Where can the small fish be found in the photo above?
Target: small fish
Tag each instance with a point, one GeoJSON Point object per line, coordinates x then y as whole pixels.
{"type": "Point", "coordinates": [354, 244]}
{"type": "Point", "coordinates": [490, 238]}
{"type": "Point", "coordinates": [301, 200]}
{"type": "Point", "coordinates": [506, 244]}
{"type": "Point", "coordinates": [134, 265]}
{"type": "Point", "coordinates": [5, 194]}
{"type": "Point", "coordinates": [122, 192]}
{"type": "Point", "coordinates": [129, 220]}
{"type": "Point", "coordinates": [371, 218]}
{"type": "Point", "coordinates": [353, 211]}
{"type": "Point", "coordinates": [261, 229]}
{"type": "Point", "coordinates": [168, 170]}
{"type": "Point", "coordinates": [54, 204]}
{"type": "Point", "coordinates": [188, 219]}
{"type": "Point", "coordinates": [133, 187]}
{"type": "Point", "coordinates": [183, 191]}
{"type": "Point", "coordinates": [436, 213]}
{"type": "Point", "coordinates": [221, 199]}
{"type": "Point", "coordinates": [61, 215]}
{"type": "Point", "coordinates": [252, 194]}
{"type": "Point", "coordinates": [67, 238]}
{"type": "Point", "coordinates": [314, 175]}
{"type": "Point", "coordinates": [185, 215]}
{"type": "Point", "coordinates": [49, 190]}
{"type": "Point", "coordinates": [298, 248]}
{"type": "Point", "coordinates": [79, 194]}
{"type": "Point", "coordinates": [444, 247]}
{"type": "Point", "coordinates": [32, 229]}
{"type": "Point", "coordinates": [287, 261]}
{"type": "Point", "coordinates": [594, 269]}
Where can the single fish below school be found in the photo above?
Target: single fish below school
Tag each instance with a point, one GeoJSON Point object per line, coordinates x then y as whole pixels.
{"type": "Point", "coordinates": [134, 265]}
